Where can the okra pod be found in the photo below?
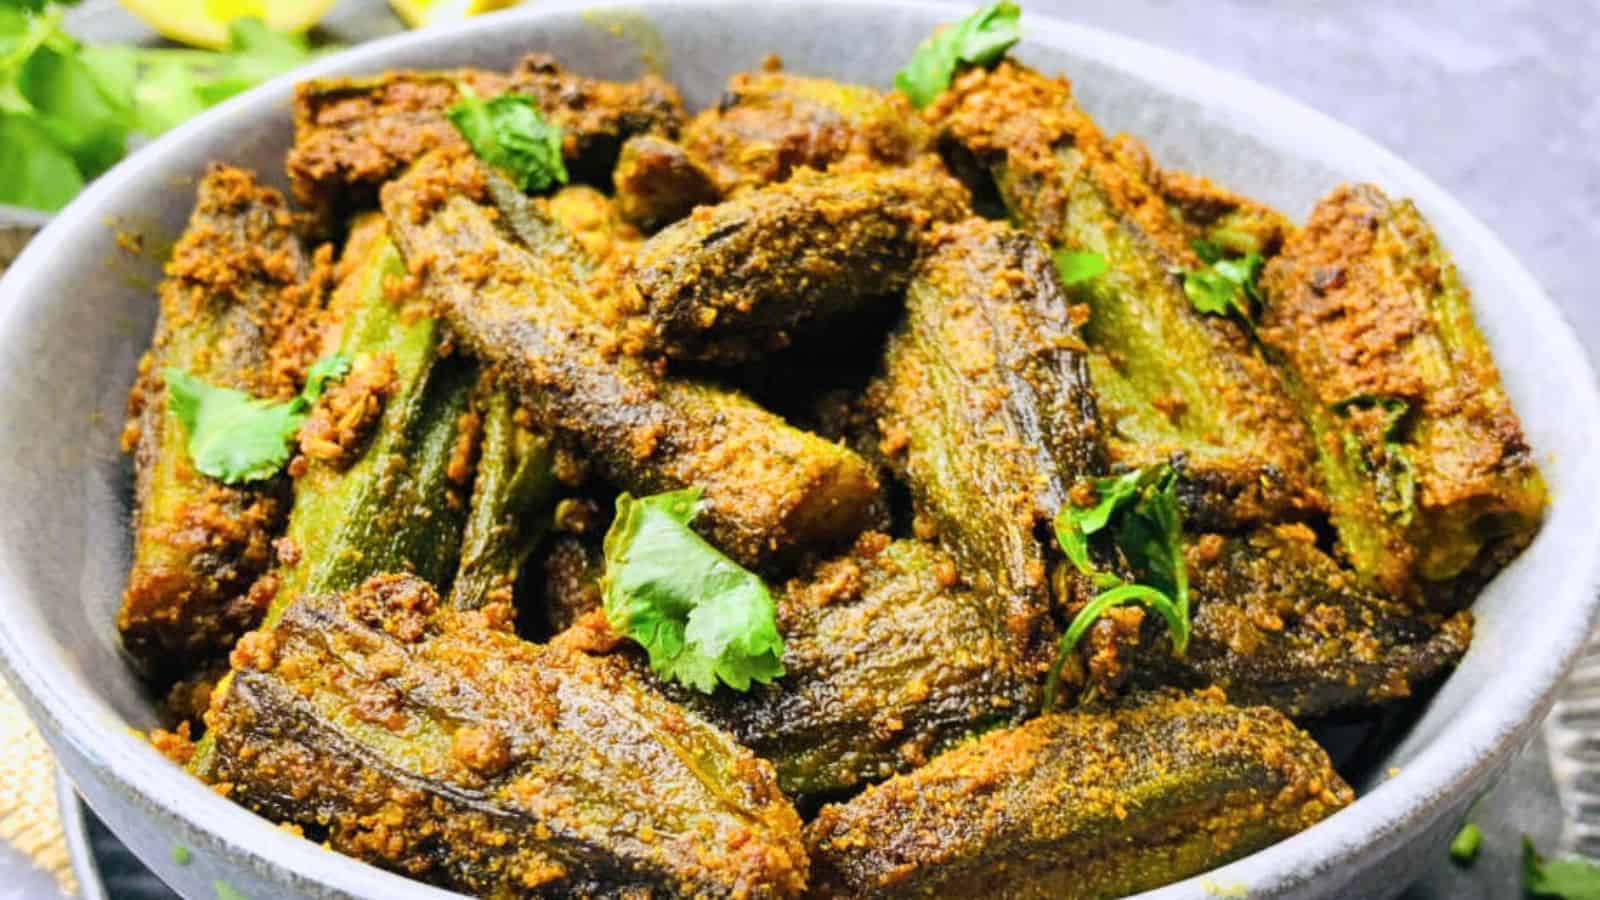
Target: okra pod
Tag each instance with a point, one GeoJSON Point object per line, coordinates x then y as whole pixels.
{"type": "Point", "coordinates": [736, 281]}
{"type": "Point", "coordinates": [1429, 475]}
{"type": "Point", "coordinates": [887, 662]}
{"type": "Point", "coordinates": [395, 498]}
{"type": "Point", "coordinates": [1277, 622]}
{"type": "Point", "coordinates": [769, 124]}
{"type": "Point", "coordinates": [434, 742]}
{"type": "Point", "coordinates": [513, 497]}
{"type": "Point", "coordinates": [772, 491]}
{"type": "Point", "coordinates": [988, 411]}
{"type": "Point", "coordinates": [1080, 806]}
{"type": "Point", "coordinates": [353, 134]}
{"type": "Point", "coordinates": [241, 296]}
{"type": "Point", "coordinates": [1175, 385]}
{"type": "Point", "coordinates": [387, 491]}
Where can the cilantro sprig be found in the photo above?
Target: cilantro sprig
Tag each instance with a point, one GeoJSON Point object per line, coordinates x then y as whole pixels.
{"type": "Point", "coordinates": [1227, 285]}
{"type": "Point", "coordinates": [1139, 510]}
{"type": "Point", "coordinates": [1567, 879]}
{"type": "Point", "coordinates": [68, 110]}
{"type": "Point", "coordinates": [701, 617]}
{"type": "Point", "coordinates": [981, 39]}
{"type": "Point", "coordinates": [234, 437]}
{"type": "Point", "coordinates": [1078, 266]}
{"type": "Point", "coordinates": [508, 132]}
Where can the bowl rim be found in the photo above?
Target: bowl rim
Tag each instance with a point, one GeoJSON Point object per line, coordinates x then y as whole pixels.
{"type": "Point", "coordinates": [1464, 753]}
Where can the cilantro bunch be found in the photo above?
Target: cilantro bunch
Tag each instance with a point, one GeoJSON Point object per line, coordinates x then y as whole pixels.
{"type": "Point", "coordinates": [68, 110]}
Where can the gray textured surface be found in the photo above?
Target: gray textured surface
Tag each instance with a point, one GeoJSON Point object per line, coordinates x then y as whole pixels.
{"type": "Point", "coordinates": [1497, 101]}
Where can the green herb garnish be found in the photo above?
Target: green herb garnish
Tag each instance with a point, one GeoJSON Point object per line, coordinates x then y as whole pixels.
{"type": "Point", "coordinates": [980, 39]}
{"type": "Point", "coordinates": [1077, 266]}
{"type": "Point", "coordinates": [702, 617]}
{"type": "Point", "coordinates": [508, 132]}
{"type": "Point", "coordinates": [1140, 510]}
{"type": "Point", "coordinates": [1466, 844]}
{"type": "Point", "coordinates": [234, 437]}
{"type": "Point", "coordinates": [67, 110]}
{"type": "Point", "coordinates": [1227, 285]}
{"type": "Point", "coordinates": [1568, 879]}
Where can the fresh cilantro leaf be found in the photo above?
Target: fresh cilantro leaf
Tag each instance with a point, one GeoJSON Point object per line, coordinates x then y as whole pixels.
{"type": "Point", "coordinates": [1140, 508]}
{"type": "Point", "coordinates": [63, 100]}
{"type": "Point", "coordinates": [1466, 844]}
{"type": "Point", "coordinates": [76, 104]}
{"type": "Point", "coordinates": [1074, 524]}
{"type": "Point", "coordinates": [38, 174]}
{"type": "Point", "coordinates": [1076, 266]}
{"type": "Point", "coordinates": [1226, 286]}
{"type": "Point", "coordinates": [1568, 879]}
{"type": "Point", "coordinates": [166, 96]}
{"type": "Point", "coordinates": [700, 616]}
{"type": "Point", "coordinates": [234, 437]}
{"type": "Point", "coordinates": [177, 84]}
{"type": "Point", "coordinates": [981, 39]}
{"type": "Point", "coordinates": [508, 133]}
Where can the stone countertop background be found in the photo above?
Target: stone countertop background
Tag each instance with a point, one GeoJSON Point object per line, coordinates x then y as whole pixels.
{"type": "Point", "coordinates": [1497, 100]}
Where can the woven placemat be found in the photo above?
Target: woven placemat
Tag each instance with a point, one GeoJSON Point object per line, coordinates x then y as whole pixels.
{"type": "Point", "coordinates": [30, 820]}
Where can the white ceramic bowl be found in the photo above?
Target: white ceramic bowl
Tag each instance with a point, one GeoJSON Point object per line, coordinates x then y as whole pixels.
{"type": "Point", "coordinates": [75, 312]}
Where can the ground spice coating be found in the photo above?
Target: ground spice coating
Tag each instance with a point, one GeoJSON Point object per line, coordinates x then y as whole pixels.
{"type": "Point", "coordinates": [1174, 385]}
{"type": "Point", "coordinates": [739, 280]}
{"type": "Point", "coordinates": [771, 490]}
{"type": "Point", "coordinates": [437, 744]}
{"type": "Point", "coordinates": [240, 308]}
{"type": "Point", "coordinates": [353, 134]}
{"type": "Point", "coordinates": [1083, 805]}
{"type": "Point", "coordinates": [1368, 310]}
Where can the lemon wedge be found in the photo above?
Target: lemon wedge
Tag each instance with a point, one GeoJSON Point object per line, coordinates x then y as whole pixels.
{"type": "Point", "coordinates": [204, 23]}
{"type": "Point", "coordinates": [421, 13]}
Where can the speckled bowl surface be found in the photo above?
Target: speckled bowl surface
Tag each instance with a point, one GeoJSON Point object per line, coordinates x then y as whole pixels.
{"type": "Point", "coordinates": [75, 312]}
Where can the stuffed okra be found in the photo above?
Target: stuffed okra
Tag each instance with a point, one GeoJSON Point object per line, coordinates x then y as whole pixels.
{"type": "Point", "coordinates": [987, 409]}
{"type": "Point", "coordinates": [434, 742]}
{"type": "Point", "coordinates": [1429, 475]}
{"type": "Point", "coordinates": [1080, 805]}
{"type": "Point", "coordinates": [238, 310]}
{"type": "Point", "coordinates": [1277, 622]}
{"type": "Point", "coordinates": [384, 474]}
{"type": "Point", "coordinates": [771, 490]}
{"type": "Point", "coordinates": [513, 498]}
{"type": "Point", "coordinates": [1175, 384]}
{"type": "Point", "coordinates": [353, 134]}
{"type": "Point", "coordinates": [769, 124]}
{"type": "Point", "coordinates": [736, 281]}
{"type": "Point", "coordinates": [887, 662]}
